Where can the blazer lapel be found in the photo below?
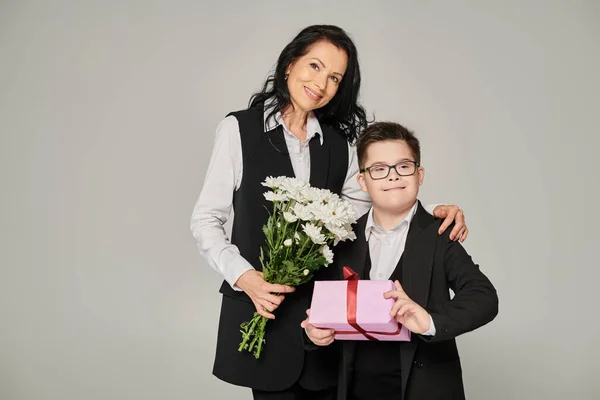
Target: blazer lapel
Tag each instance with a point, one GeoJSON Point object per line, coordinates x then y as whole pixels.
{"type": "Point", "coordinates": [416, 274]}
{"type": "Point", "coordinates": [359, 252]}
{"type": "Point", "coordinates": [418, 256]}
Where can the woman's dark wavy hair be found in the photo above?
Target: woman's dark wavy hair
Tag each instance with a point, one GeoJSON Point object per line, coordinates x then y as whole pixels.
{"type": "Point", "coordinates": [343, 111]}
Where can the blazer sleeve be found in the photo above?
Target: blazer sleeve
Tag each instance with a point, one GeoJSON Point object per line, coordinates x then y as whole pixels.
{"type": "Point", "coordinates": [475, 302]}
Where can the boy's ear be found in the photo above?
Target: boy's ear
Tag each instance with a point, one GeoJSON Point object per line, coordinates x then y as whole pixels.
{"type": "Point", "coordinates": [361, 181]}
{"type": "Point", "coordinates": [421, 175]}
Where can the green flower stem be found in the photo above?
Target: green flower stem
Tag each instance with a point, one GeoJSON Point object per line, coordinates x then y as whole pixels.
{"type": "Point", "coordinates": [310, 251]}
{"type": "Point", "coordinates": [253, 331]}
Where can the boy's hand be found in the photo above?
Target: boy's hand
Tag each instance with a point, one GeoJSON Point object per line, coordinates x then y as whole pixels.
{"type": "Point", "coordinates": [320, 337]}
{"type": "Point", "coordinates": [407, 312]}
{"type": "Point", "coordinates": [452, 214]}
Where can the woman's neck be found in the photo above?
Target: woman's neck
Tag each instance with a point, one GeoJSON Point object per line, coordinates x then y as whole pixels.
{"type": "Point", "coordinates": [295, 121]}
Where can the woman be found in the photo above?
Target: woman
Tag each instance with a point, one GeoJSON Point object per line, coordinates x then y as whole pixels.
{"type": "Point", "coordinates": [302, 123]}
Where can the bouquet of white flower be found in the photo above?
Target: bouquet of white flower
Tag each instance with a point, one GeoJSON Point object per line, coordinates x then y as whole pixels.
{"type": "Point", "coordinates": [304, 223]}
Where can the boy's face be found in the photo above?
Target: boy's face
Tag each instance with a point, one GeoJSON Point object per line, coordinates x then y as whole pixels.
{"type": "Point", "coordinates": [393, 193]}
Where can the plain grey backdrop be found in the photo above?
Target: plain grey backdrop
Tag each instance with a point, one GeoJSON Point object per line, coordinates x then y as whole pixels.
{"type": "Point", "coordinates": [107, 117]}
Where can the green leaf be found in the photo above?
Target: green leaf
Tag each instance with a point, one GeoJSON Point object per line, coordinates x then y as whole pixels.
{"type": "Point", "coordinates": [288, 264]}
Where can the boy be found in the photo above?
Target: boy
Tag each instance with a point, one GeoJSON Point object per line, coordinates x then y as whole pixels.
{"type": "Point", "coordinates": [399, 240]}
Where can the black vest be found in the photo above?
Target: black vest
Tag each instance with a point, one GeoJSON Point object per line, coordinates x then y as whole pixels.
{"type": "Point", "coordinates": [265, 154]}
{"type": "Point", "coordinates": [282, 362]}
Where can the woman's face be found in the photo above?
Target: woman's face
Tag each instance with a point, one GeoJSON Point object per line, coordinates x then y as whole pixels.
{"type": "Point", "coordinates": [313, 79]}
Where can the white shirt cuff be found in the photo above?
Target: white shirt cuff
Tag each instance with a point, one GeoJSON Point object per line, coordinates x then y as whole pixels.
{"type": "Point", "coordinates": [234, 271]}
{"type": "Point", "coordinates": [431, 331]}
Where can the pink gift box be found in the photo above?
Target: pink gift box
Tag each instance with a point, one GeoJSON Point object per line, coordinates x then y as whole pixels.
{"type": "Point", "coordinates": [329, 309]}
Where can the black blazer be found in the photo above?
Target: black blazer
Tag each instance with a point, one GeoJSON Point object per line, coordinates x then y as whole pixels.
{"type": "Point", "coordinates": [432, 265]}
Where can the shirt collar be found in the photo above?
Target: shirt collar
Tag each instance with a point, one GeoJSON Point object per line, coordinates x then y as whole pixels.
{"type": "Point", "coordinates": [371, 225]}
{"type": "Point", "coordinates": [312, 123]}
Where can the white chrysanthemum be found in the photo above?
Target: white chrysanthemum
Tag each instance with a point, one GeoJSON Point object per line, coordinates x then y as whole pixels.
{"type": "Point", "coordinates": [328, 196]}
{"type": "Point", "coordinates": [297, 237]}
{"type": "Point", "coordinates": [306, 272]}
{"type": "Point", "coordinates": [287, 242]}
{"type": "Point", "coordinates": [334, 213]}
{"type": "Point", "coordinates": [351, 235]}
{"type": "Point", "coordinates": [314, 195]}
{"type": "Point", "coordinates": [314, 233]}
{"type": "Point", "coordinates": [337, 231]}
{"type": "Point", "coordinates": [294, 187]}
{"type": "Point", "coordinates": [328, 254]}
{"type": "Point", "coordinates": [272, 196]}
{"type": "Point", "coordinates": [303, 212]}
{"type": "Point", "coordinates": [341, 233]}
{"type": "Point", "coordinates": [331, 209]}
{"type": "Point", "coordinates": [272, 182]}
{"type": "Point", "coordinates": [290, 216]}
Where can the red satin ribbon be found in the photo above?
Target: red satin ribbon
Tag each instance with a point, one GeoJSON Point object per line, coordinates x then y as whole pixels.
{"type": "Point", "coordinates": [351, 302]}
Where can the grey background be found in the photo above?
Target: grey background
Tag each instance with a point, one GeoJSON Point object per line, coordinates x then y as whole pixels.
{"type": "Point", "coordinates": [107, 118]}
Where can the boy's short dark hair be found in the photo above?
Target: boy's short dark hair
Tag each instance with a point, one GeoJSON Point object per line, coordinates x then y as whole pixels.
{"type": "Point", "coordinates": [381, 131]}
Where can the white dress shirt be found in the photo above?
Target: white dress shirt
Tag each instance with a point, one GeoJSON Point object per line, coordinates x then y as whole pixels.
{"type": "Point", "coordinates": [224, 175]}
{"type": "Point", "coordinates": [386, 248]}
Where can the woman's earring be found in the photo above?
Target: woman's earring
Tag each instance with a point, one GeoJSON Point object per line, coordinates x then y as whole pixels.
{"type": "Point", "coordinates": [286, 76]}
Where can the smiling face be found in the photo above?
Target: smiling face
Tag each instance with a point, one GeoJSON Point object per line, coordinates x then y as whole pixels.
{"type": "Point", "coordinates": [314, 79]}
{"type": "Point", "coordinates": [393, 194]}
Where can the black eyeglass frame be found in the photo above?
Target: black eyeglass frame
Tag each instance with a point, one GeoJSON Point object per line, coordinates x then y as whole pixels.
{"type": "Point", "coordinates": [416, 164]}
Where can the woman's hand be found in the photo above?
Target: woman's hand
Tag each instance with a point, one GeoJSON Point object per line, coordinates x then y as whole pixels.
{"type": "Point", "coordinates": [260, 292]}
{"type": "Point", "coordinates": [452, 214]}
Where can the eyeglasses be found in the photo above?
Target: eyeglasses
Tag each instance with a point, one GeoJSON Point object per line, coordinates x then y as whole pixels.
{"type": "Point", "coordinates": [382, 171]}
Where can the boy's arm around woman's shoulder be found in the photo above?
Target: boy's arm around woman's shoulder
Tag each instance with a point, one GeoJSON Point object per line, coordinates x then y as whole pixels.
{"type": "Point", "coordinates": [475, 301]}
